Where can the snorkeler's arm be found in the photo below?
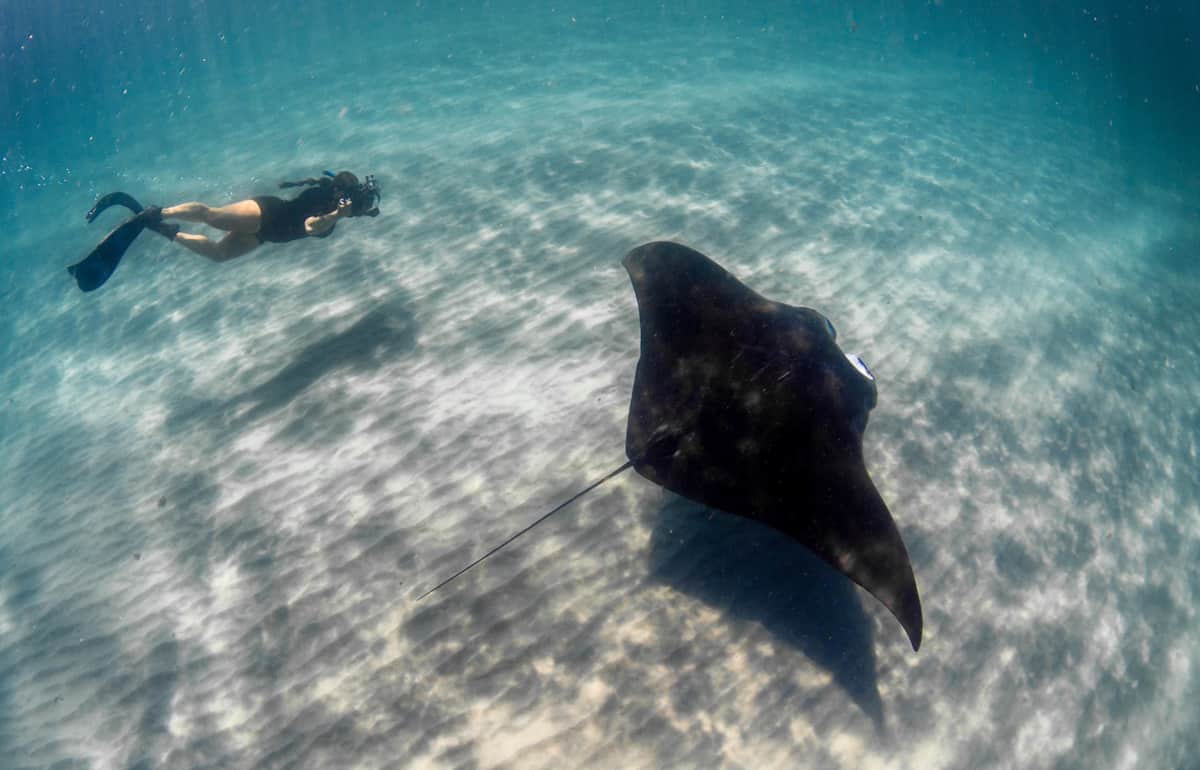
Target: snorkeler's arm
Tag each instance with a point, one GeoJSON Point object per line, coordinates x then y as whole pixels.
{"type": "Point", "coordinates": [317, 226]}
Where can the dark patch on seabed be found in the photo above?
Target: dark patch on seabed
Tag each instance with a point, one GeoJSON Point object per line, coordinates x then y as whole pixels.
{"type": "Point", "coordinates": [384, 333]}
{"type": "Point", "coordinates": [76, 632]}
{"type": "Point", "coordinates": [23, 585]}
{"type": "Point", "coordinates": [753, 573]}
{"type": "Point", "coordinates": [184, 514]}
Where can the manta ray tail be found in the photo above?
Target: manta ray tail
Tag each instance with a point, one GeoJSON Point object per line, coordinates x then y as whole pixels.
{"type": "Point", "coordinates": [553, 511]}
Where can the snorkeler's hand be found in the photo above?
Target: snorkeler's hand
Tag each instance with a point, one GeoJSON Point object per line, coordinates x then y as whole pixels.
{"type": "Point", "coordinates": [345, 207]}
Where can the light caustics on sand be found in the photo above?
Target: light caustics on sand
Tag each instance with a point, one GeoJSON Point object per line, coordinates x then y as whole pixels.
{"type": "Point", "coordinates": [266, 460]}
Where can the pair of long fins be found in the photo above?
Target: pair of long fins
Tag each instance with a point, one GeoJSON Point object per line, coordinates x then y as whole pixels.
{"type": "Point", "coordinates": [97, 267]}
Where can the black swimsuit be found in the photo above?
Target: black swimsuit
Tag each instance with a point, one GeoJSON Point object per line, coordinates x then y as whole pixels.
{"type": "Point", "coordinates": [283, 221]}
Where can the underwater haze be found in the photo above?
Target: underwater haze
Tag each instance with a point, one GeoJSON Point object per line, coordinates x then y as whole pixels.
{"type": "Point", "coordinates": [223, 487]}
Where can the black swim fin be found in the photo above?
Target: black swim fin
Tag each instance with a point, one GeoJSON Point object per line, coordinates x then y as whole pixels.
{"type": "Point", "coordinates": [93, 270]}
{"type": "Point", "coordinates": [114, 199]}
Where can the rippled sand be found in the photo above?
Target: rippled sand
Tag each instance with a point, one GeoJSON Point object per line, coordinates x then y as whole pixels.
{"type": "Point", "coordinates": [227, 485]}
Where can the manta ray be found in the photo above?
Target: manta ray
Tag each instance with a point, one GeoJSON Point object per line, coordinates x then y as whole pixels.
{"type": "Point", "coordinates": [749, 406]}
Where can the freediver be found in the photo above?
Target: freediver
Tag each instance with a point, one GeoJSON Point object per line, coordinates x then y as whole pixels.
{"type": "Point", "coordinates": [247, 224]}
{"type": "Point", "coordinates": [268, 219]}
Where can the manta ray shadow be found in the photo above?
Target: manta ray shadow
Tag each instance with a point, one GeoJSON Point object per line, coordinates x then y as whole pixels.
{"type": "Point", "coordinates": [386, 331]}
{"type": "Point", "coordinates": [754, 573]}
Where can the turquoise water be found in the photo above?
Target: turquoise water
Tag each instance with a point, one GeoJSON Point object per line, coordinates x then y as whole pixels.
{"type": "Point", "coordinates": [225, 485]}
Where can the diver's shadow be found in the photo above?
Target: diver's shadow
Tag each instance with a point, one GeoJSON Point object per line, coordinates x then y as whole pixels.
{"type": "Point", "coordinates": [752, 572]}
{"type": "Point", "coordinates": [386, 331]}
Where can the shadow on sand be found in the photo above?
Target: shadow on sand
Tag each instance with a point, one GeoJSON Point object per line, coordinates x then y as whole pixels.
{"type": "Point", "coordinates": [754, 573]}
{"type": "Point", "coordinates": [383, 333]}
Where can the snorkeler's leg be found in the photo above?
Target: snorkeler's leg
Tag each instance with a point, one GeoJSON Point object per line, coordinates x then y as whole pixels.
{"type": "Point", "coordinates": [230, 247]}
{"type": "Point", "coordinates": [241, 217]}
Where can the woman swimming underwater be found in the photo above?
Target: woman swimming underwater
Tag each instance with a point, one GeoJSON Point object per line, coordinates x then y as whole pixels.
{"type": "Point", "coordinates": [247, 224]}
{"type": "Point", "coordinates": [268, 219]}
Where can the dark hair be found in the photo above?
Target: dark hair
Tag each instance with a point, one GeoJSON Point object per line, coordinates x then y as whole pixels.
{"type": "Point", "coordinates": [344, 184]}
{"type": "Point", "coordinates": [345, 181]}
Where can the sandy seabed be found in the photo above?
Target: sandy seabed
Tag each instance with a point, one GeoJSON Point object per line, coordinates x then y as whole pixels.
{"type": "Point", "coordinates": [227, 484]}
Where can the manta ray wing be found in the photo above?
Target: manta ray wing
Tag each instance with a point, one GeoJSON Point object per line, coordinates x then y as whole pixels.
{"type": "Point", "coordinates": [749, 406]}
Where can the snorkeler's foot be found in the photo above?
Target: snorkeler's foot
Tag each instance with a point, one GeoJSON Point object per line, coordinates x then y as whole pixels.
{"type": "Point", "coordinates": [165, 229]}
{"type": "Point", "coordinates": [150, 216]}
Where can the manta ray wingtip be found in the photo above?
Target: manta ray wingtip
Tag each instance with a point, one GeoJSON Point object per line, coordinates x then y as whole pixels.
{"type": "Point", "coordinates": [911, 618]}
